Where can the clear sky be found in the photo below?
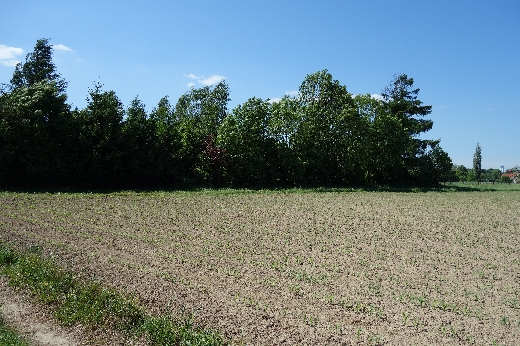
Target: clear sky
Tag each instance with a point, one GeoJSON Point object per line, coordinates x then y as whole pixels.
{"type": "Point", "coordinates": [463, 55]}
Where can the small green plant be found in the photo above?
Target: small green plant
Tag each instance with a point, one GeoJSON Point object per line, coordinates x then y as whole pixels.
{"type": "Point", "coordinates": [7, 256]}
{"type": "Point", "coordinates": [505, 321]}
{"type": "Point", "coordinates": [375, 339]}
{"type": "Point", "coordinates": [405, 318]}
{"type": "Point", "coordinates": [310, 320]}
{"type": "Point", "coordinates": [358, 333]}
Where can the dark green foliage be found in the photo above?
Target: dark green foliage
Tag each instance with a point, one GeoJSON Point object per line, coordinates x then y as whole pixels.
{"type": "Point", "coordinates": [7, 256]}
{"type": "Point", "coordinates": [441, 164]}
{"type": "Point", "coordinates": [38, 68]}
{"type": "Point", "coordinates": [286, 168]}
{"type": "Point", "coordinates": [199, 113]}
{"type": "Point", "coordinates": [140, 146]}
{"type": "Point", "coordinates": [477, 162]}
{"type": "Point", "coordinates": [400, 99]}
{"type": "Point", "coordinates": [244, 136]}
{"type": "Point", "coordinates": [505, 180]}
{"type": "Point", "coordinates": [34, 124]}
{"type": "Point", "coordinates": [462, 173]}
{"type": "Point", "coordinates": [100, 157]}
{"type": "Point", "coordinates": [322, 137]}
{"type": "Point", "coordinates": [491, 175]}
{"type": "Point", "coordinates": [385, 144]}
{"type": "Point", "coordinates": [411, 156]}
{"type": "Point", "coordinates": [330, 132]}
{"type": "Point", "coordinates": [168, 144]}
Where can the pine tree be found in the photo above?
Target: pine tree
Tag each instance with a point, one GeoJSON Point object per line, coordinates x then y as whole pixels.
{"type": "Point", "coordinates": [38, 67]}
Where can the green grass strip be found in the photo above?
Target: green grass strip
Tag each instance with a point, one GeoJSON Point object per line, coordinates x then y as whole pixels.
{"type": "Point", "coordinates": [8, 337]}
{"type": "Point", "coordinates": [88, 303]}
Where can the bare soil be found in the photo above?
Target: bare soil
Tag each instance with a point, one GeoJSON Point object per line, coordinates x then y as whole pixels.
{"type": "Point", "coordinates": [296, 268]}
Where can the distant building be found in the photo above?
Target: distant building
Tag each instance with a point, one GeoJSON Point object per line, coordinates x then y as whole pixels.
{"type": "Point", "coordinates": [513, 174]}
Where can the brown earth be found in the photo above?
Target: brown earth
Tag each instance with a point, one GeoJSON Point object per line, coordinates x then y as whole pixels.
{"type": "Point", "coordinates": [296, 268]}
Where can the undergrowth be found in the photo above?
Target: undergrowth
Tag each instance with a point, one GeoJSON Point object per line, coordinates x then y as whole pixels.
{"type": "Point", "coordinates": [8, 337]}
{"type": "Point", "coordinates": [75, 301]}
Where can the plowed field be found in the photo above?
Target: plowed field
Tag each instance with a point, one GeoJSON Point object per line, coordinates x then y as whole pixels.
{"type": "Point", "coordinates": [296, 268]}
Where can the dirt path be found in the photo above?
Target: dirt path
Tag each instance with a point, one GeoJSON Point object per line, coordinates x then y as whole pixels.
{"type": "Point", "coordinates": [40, 329]}
{"type": "Point", "coordinates": [30, 320]}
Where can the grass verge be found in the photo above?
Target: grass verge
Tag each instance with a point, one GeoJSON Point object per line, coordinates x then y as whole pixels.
{"type": "Point", "coordinates": [88, 303]}
{"type": "Point", "coordinates": [8, 337]}
{"type": "Point", "coordinates": [472, 186]}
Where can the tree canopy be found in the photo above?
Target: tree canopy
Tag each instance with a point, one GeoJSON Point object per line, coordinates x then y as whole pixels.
{"type": "Point", "coordinates": [38, 67]}
{"type": "Point", "coordinates": [324, 136]}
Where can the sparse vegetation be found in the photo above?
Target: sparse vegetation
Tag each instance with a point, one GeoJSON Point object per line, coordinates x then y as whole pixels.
{"type": "Point", "coordinates": [89, 303]}
{"type": "Point", "coordinates": [295, 266]}
{"type": "Point", "coordinates": [8, 337]}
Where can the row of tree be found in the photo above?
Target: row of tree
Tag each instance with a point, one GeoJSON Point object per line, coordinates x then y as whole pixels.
{"type": "Point", "coordinates": [324, 136]}
{"type": "Point", "coordinates": [462, 173]}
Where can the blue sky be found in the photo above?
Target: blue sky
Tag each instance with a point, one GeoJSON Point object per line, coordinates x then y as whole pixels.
{"type": "Point", "coordinates": [463, 55]}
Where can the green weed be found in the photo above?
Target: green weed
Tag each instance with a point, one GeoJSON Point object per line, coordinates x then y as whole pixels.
{"type": "Point", "coordinates": [8, 337]}
{"type": "Point", "coordinates": [91, 304]}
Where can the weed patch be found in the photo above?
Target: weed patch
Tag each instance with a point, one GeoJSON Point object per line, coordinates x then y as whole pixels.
{"type": "Point", "coordinates": [75, 301]}
{"type": "Point", "coordinates": [8, 337]}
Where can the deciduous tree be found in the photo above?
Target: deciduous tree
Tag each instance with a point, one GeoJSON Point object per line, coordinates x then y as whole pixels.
{"type": "Point", "coordinates": [244, 135]}
{"type": "Point", "coordinates": [200, 113]}
{"type": "Point", "coordinates": [477, 162]}
{"type": "Point", "coordinates": [328, 139]}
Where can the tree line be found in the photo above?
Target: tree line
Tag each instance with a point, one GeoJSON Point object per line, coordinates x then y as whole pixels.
{"type": "Point", "coordinates": [464, 174]}
{"type": "Point", "coordinates": [478, 174]}
{"type": "Point", "coordinates": [324, 136]}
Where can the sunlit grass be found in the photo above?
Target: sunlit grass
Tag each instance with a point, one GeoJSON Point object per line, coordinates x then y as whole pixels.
{"type": "Point", "coordinates": [88, 303]}
{"type": "Point", "coordinates": [8, 337]}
